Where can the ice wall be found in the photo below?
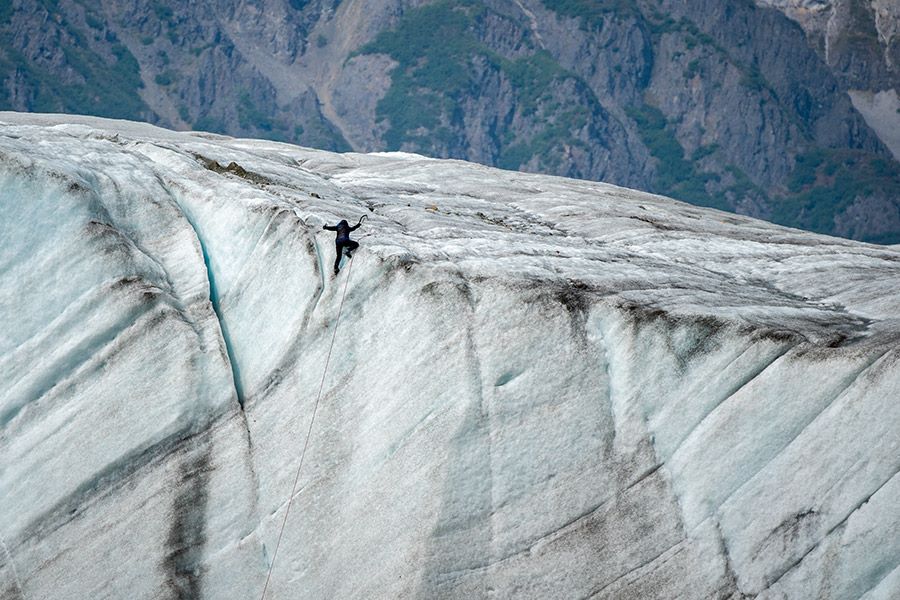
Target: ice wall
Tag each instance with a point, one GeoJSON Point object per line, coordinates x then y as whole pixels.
{"type": "Point", "coordinates": [539, 387]}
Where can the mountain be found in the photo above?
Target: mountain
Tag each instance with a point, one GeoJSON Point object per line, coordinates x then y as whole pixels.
{"type": "Point", "coordinates": [860, 42]}
{"type": "Point", "coordinates": [857, 40]}
{"type": "Point", "coordinates": [730, 105]}
{"type": "Point", "coordinates": [520, 386]}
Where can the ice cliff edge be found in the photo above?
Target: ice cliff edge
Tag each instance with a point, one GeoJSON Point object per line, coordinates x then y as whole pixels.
{"type": "Point", "coordinates": [539, 388]}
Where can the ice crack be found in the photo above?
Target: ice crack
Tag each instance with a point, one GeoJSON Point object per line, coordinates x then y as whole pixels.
{"type": "Point", "coordinates": [12, 567]}
{"type": "Point", "coordinates": [217, 309]}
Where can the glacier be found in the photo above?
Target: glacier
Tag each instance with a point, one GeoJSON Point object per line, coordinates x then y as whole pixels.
{"type": "Point", "coordinates": [538, 388]}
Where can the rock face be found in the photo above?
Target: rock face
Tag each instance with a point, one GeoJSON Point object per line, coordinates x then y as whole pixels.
{"type": "Point", "coordinates": [859, 40]}
{"type": "Point", "coordinates": [538, 387]}
{"type": "Point", "coordinates": [718, 104]}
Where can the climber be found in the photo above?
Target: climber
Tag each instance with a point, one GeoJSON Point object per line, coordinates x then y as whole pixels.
{"type": "Point", "coordinates": [343, 241]}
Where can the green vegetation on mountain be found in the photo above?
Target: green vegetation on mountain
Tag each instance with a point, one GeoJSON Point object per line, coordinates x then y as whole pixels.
{"type": "Point", "coordinates": [826, 182]}
{"type": "Point", "coordinates": [439, 57]}
{"type": "Point", "coordinates": [89, 83]}
{"type": "Point", "coordinates": [675, 175]}
{"type": "Point", "coordinates": [432, 45]}
{"type": "Point", "coordinates": [593, 12]}
{"type": "Point", "coordinates": [6, 11]}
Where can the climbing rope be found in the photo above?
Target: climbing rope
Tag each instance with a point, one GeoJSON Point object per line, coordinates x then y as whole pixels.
{"type": "Point", "coordinates": [308, 432]}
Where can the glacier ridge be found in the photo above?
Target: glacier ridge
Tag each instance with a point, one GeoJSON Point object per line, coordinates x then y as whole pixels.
{"type": "Point", "coordinates": [540, 387]}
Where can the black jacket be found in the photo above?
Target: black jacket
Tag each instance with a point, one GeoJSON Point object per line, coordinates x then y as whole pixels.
{"type": "Point", "coordinates": [343, 230]}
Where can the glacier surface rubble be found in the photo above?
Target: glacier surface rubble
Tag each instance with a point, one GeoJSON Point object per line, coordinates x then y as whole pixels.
{"type": "Point", "coordinates": [540, 387]}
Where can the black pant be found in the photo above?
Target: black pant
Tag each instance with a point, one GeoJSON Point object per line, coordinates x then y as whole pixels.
{"type": "Point", "coordinates": [339, 247]}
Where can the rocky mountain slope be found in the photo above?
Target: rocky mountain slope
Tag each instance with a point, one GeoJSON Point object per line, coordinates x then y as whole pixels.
{"type": "Point", "coordinates": [860, 42]}
{"type": "Point", "coordinates": [725, 105]}
{"type": "Point", "coordinates": [531, 386]}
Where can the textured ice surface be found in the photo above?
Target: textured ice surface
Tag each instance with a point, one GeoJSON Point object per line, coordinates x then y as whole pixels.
{"type": "Point", "coordinates": [540, 387]}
